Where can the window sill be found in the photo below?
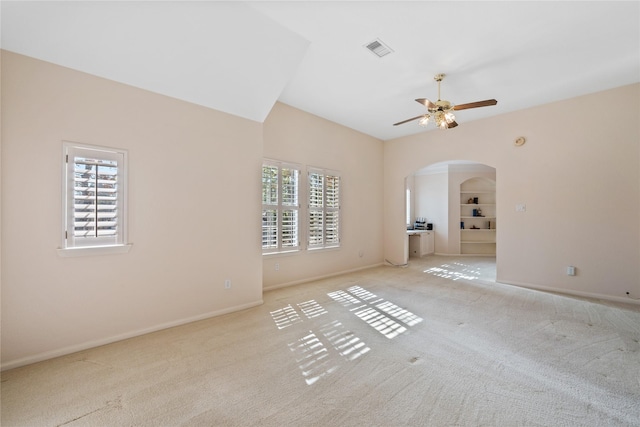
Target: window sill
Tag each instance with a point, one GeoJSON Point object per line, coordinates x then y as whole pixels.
{"type": "Point", "coordinates": [93, 250]}
{"type": "Point", "coordinates": [324, 249]}
{"type": "Point", "coordinates": [292, 252]}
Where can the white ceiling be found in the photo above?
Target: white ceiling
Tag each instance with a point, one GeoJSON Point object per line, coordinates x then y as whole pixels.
{"type": "Point", "coordinates": [242, 57]}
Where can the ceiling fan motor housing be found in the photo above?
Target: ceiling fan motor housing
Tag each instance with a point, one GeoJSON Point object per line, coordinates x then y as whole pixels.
{"type": "Point", "coordinates": [441, 106]}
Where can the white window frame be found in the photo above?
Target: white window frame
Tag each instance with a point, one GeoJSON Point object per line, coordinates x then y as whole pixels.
{"type": "Point", "coordinates": [88, 245]}
{"type": "Point", "coordinates": [330, 207]}
{"type": "Point", "coordinates": [282, 244]}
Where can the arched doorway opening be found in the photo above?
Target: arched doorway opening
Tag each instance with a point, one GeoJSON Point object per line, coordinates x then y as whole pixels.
{"type": "Point", "coordinates": [458, 198]}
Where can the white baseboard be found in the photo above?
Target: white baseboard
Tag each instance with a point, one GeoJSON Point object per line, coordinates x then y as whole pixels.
{"type": "Point", "coordinates": [311, 279]}
{"type": "Point", "coordinates": [465, 255]}
{"type": "Point", "coordinates": [589, 295]}
{"type": "Point", "coordinates": [103, 341]}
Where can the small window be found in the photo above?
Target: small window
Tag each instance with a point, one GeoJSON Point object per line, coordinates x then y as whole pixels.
{"type": "Point", "coordinates": [324, 209]}
{"type": "Point", "coordinates": [280, 207]}
{"type": "Point", "coordinates": [94, 197]}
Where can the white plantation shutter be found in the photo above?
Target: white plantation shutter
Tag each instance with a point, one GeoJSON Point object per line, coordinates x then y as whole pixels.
{"type": "Point", "coordinates": [269, 207]}
{"type": "Point", "coordinates": [269, 229]}
{"type": "Point", "coordinates": [324, 209]}
{"type": "Point", "coordinates": [332, 211]}
{"type": "Point", "coordinates": [95, 188]}
{"type": "Point", "coordinates": [316, 209]}
{"type": "Point", "coordinates": [290, 207]}
{"type": "Point", "coordinates": [280, 207]}
{"type": "Point", "coordinates": [290, 228]}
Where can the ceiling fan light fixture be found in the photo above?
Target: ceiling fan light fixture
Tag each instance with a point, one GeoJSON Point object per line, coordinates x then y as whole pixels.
{"type": "Point", "coordinates": [449, 117]}
{"type": "Point", "coordinates": [443, 119]}
{"type": "Point", "coordinates": [441, 112]}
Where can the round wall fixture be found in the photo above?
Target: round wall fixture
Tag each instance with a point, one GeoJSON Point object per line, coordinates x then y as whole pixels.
{"type": "Point", "coordinates": [520, 141]}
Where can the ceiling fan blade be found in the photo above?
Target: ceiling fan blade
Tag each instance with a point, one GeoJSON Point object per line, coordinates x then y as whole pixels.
{"type": "Point", "coordinates": [408, 120]}
{"type": "Point", "coordinates": [484, 103]}
{"type": "Point", "coordinates": [452, 124]}
{"type": "Point", "coordinates": [426, 103]}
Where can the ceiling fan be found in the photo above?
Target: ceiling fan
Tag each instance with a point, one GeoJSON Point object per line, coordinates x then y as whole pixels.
{"type": "Point", "coordinates": [441, 112]}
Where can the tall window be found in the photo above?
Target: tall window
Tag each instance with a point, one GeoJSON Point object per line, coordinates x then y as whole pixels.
{"type": "Point", "coordinates": [408, 206]}
{"type": "Point", "coordinates": [324, 209]}
{"type": "Point", "coordinates": [280, 207]}
{"type": "Point", "coordinates": [95, 186]}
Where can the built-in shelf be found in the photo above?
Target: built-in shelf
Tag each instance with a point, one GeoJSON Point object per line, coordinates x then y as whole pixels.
{"type": "Point", "coordinates": [478, 217]}
{"type": "Point", "coordinates": [466, 242]}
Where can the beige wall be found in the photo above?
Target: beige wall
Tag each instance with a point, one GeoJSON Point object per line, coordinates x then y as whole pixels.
{"type": "Point", "coordinates": [194, 206]}
{"type": "Point", "coordinates": [194, 203]}
{"type": "Point", "coordinates": [292, 135]}
{"type": "Point", "coordinates": [578, 175]}
{"type": "Point", "coordinates": [431, 197]}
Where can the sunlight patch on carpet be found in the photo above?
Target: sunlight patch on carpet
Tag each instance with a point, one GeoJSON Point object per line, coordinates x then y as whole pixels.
{"type": "Point", "coordinates": [321, 351]}
{"type": "Point", "coordinates": [313, 358]}
{"type": "Point", "coordinates": [455, 271]}
{"type": "Point", "coordinates": [319, 355]}
{"type": "Point", "coordinates": [285, 317]}
{"type": "Point", "coordinates": [346, 343]}
{"type": "Point", "coordinates": [384, 316]}
{"type": "Point", "coordinates": [312, 309]}
{"type": "Point", "coordinates": [381, 323]}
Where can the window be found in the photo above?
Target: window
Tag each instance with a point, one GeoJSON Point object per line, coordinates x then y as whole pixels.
{"type": "Point", "coordinates": [94, 197]}
{"type": "Point", "coordinates": [408, 206]}
{"type": "Point", "coordinates": [324, 209]}
{"type": "Point", "coordinates": [280, 207]}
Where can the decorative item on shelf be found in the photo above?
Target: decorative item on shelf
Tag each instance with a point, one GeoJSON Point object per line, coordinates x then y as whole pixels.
{"type": "Point", "coordinates": [479, 212]}
{"type": "Point", "coordinates": [461, 225]}
{"type": "Point", "coordinates": [475, 212]}
{"type": "Point", "coordinates": [475, 200]}
{"type": "Point", "coordinates": [473, 227]}
{"type": "Point", "coordinates": [470, 201]}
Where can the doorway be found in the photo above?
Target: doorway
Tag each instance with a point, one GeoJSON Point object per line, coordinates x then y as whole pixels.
{"type": "Point", "coordinates": [439, 193]}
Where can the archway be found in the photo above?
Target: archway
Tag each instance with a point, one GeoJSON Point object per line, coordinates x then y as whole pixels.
{"type": "Point", "coordinates": [439, 193]}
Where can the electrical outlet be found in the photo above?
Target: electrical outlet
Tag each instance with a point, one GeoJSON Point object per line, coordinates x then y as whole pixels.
{"type": "Point", "coordinates": [571, 271]}
{"type": "Point", "coordinates": [277, 266]}
{"type": "Point", "coordinates": [227, 284]}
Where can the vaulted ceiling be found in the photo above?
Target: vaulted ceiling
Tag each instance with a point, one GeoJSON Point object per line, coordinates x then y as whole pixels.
{"type": "Point", "coordinates": [242, 57]}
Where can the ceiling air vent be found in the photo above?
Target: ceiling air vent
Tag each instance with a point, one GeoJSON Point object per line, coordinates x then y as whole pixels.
{"type": "Point", "coordinates": [378, 48]}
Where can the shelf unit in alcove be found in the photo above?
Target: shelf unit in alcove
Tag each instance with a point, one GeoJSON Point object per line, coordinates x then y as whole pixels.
{"type": "Point", "coordinates": [478, 237]}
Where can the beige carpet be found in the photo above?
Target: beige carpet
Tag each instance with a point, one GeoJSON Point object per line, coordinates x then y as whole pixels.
{"type": "Point", "coordinates": [435, 344]}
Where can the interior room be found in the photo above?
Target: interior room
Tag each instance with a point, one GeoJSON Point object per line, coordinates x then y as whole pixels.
{"type": "Point", "coordinates": [528, 203]}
